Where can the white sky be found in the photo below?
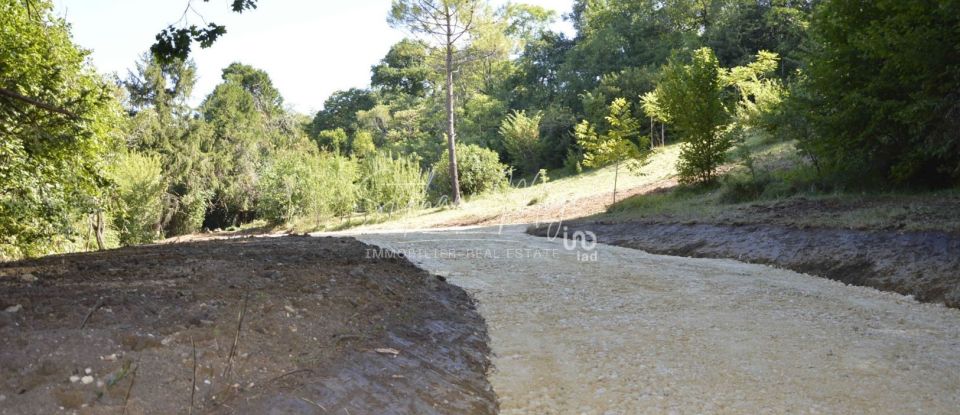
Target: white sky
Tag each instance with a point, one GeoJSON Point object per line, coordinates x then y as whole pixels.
{"type": "Point", "coordinates": [310, 48]}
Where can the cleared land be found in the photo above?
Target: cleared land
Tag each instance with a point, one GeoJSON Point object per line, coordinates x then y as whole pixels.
{"type": "Point", "coordinates": [641, 333]}
{"type": "Point", "coordinates": [259, 325]}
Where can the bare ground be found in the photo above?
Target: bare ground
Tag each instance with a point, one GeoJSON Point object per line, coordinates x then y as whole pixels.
{"type": "Point", "coordinates": [288, 325]}
{"type": "Point", "coordinates": [925, 265]}
{"type": "Point", "coordinates": [627, 332]}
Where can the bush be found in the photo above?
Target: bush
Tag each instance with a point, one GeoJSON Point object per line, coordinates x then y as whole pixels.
{"type": "Point", "coordinates": [141, 189]}
{"type": "Point", "coordinates": [296, 184]}
{"type": "Point", "coordinates": [388, 184]}
{"type": "Point", "coordinates": [521, 138]}
{"type": "Point", "coordinates": [342, 192]}
{"type": "Point", "coordinates": [189, 212]}
{"type": "Point", "coordinates": [479, 170]}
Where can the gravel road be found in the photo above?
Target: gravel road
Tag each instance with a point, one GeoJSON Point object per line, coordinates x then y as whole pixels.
{"type": "Point", "coordinates": [628, 332]}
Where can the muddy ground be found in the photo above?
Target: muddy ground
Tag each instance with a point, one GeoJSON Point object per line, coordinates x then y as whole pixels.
{"type": "Point", "coordinates": [925, 265]}
{"type": "Point", "coordinates": [322, 329]}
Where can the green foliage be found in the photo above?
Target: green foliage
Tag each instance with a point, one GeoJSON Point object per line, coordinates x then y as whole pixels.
{"type": "Point", "coordinates": [140, 192]}
{"type": "Point", "coordinates": [403, 70]}
{"type": "Point", "coordinates": [174, 43]}
{"type": "Point", "coordinates": [521, 137]}
{"type": "Point", "coordinates": [58, 121]}
{"type": "Point", "coordinates": [479, 169]}
{"type": "Point", "coordinates": [689, 96]}
{"type": "Point", "coordinates": [556, 135]}
{"type": "Point", "coordinates": [340, 110]}
{"type": "Point", "coordinates": [308, 185]}
{"type": "Point", "coordinates": [332, 140]}
{"type": "Point", "coordinates": [362, 144]}
{"type": "Point", "coordinates": [618, 144]}
{"type": "Point", "coordinates": [884, 80]}
{"type": "Point", "coordinates": [389, 184]}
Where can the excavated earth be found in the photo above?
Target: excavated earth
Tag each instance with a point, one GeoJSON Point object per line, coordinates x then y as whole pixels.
{"type": "Point", "coordinates": [925, 265]}
{"type": "Point", "coordinates": [283, 325]}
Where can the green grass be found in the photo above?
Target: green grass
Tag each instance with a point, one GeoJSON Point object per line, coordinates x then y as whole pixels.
{"type": "Point", "coordinates": [782, 189]}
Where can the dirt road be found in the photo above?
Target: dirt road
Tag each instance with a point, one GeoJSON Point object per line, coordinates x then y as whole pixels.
{"type": "Point", "coordinates": [637, 333]}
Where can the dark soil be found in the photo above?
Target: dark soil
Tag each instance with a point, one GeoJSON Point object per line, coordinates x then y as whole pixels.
{"type": "Point", "coordinates": [324, 329]}
{"type": "Point", "coordinates": [925, 265]}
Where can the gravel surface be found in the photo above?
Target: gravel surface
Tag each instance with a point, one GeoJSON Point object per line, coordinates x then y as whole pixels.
{"type": "Point", "coordinates": [638, 333]}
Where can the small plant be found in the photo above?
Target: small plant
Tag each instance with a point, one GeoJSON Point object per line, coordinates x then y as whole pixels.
{"type": "Point", "coordinates": [479, 170]}
{"type": "Point", "coordinates": [389, 184]}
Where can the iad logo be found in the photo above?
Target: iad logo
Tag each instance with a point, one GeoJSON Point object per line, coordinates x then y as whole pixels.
{"type": "Point", "coordinates": [584, 243]}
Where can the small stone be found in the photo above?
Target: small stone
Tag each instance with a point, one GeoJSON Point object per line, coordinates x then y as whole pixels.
{"type": "Point", "coordinates": [88, 370]}
{"type": "Point", "coordinates": [100, 383]}
{"type": "Point", "coordinates": [14, 309]}
{"type": "Point", "coordinates": [28, 277]}
{"type": "Point", "coordinates": [74, 379]}
{"type": "Point", "coordinates": [290, 310]}
{"type": "Point", "coordinates": [86, 380]}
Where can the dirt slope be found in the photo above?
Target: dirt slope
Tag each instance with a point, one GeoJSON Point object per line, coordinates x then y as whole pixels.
{"type": "Point", "coordinates": [925, 265]}
{"type": "Point", "coordinates": [315, 311]}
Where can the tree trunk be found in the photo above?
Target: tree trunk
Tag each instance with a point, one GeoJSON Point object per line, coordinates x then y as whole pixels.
{"type": "Point", "coordinates": [616, 174]}
{"type": "Point", "coordinates": [98, 230]}
{"type": "Point", "coordinates": [653, 134]}
{"type": "Point", "coordinates": [451, 131]}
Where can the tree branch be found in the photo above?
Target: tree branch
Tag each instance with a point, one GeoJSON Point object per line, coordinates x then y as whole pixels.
{"type": "Point", "coordinates": [10, 94]}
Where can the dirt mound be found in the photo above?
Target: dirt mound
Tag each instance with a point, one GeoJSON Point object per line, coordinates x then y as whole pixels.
{"type": "Point", "coordinates": [322, 329]}
{"type": "Point", "coordinates": [925, 265]}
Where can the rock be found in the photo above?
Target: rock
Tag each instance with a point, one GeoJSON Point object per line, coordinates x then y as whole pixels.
{"type": "Point", "coordinates": [86, 380]}
{"type": "Point", "coordinates": [388, 350]}
{"type": "Point", "coordinates": [28, 277]}
{"type": "Point", "coordinates": [14, 309]}
{"type": "Point", "coordinates": [74, 379]}
{"type": "Point", "coordinates": [88, 370]}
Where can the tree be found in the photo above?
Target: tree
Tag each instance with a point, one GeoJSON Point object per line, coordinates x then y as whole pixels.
{"type": "Point", "coordinates": [58, 129]}
{"type": "Point", "coordinates": [521, 137]}
{"type": "Point", "coordinates": [884, 90]}
{"type": "Point", "coordinates": [174, 43]}
{"type": "Point", "coordinates": [622, 141]}
{"type": "Point", "coordinates": [403, 70]}
{"type": "Point", "coordinates": [340, 110]}
{"type": "Point", "coordinates": [257, 82]}
{"type": "Point", "coordinates": [163, 86]}
{"type": "Point", "coordinates": [447, 21]}
{"type": "Point", "coordinates": [690, 96]}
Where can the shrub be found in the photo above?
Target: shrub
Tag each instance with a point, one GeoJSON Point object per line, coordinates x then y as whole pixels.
{"type": "Point", "coordinates": [332, 140]}
{"type": "Point", "coordinates": [479, 170]}
{"type": "Point", "coordinates": [362, 144]}
{"type": "Point", "coordinates": [291, 185]}
{"type": "Point", "coordinates": [388, 184]}
{"type": "Point", "coordinates": [189, 212]}
{"type": "Point", "coordinates": [341, 198]}
{"type": "Point", "coordinates": [140, 189]}
{"type": "Point", "coordinates": [521, 138]}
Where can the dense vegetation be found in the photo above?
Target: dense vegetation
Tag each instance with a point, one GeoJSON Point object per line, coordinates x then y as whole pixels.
{"type": "Point", "coordinates": [868, 91]}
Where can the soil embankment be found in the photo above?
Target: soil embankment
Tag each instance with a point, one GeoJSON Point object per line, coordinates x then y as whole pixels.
{"type": "Point", "coordinates": [257, 325]}
{"type": "Point", "coordinates": [925, 265]}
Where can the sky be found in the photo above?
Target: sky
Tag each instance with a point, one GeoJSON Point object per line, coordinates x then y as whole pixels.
{"type": "Point", "coordinates": [310, 48]}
